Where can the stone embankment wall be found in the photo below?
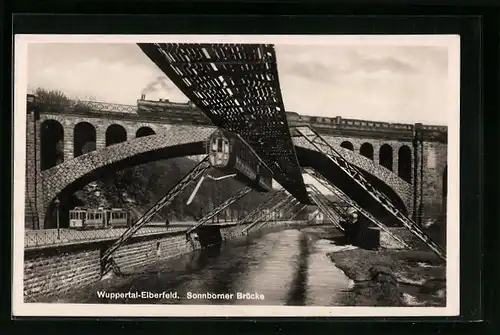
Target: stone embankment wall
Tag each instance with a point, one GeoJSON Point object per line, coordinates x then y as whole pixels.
{"type": "Point", "coordinates": [58, 269]}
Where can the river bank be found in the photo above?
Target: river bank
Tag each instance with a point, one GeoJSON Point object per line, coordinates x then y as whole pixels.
{"type": "Point", "coordinates": [392, 277]}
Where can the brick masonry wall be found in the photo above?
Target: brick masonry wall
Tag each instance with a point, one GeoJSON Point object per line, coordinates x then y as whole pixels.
{"type": "Point", "coordinates": [434, 163]}
{"type": "Point", "coordinates": [139, 254]}
{"type": "Point", "coordinates": [57, 271]}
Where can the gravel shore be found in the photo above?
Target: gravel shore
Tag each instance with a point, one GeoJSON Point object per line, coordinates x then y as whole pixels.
{"type": "Point", "coordinates": [392, 277]}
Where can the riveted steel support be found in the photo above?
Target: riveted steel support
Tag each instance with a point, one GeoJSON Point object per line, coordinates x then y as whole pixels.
{"type": "Point", "coordinates": [338, 192]}
{"type": "Point", "coordinates": [334, 156]}
{"type": "Point", "coordinates": [235, 197]}
{"type": "Point", "coordinates": [274, 208]}
{"type": "Point", "coordinates": [166, 200]}
{"type": "Point", "coordinates": [320, 201]}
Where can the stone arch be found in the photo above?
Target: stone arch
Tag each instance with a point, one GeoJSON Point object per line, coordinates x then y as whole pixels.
{"type": "Point", "coordinates": [115, 133]}
{"type": "Point", "coordinates": [385, 156]}
{"type": "Point", "coordinates": [63, 180]}
{"type": "Point", "coordinates": [348, 145]}
{"type": "Point", "coordinates": [404, 163]}
{"type": "Point", "coordinates": [381, 178]}
{"type": "Point", "coordinates": [366, 150]}
{"type": "Point", "coordinates": [318, 161]}
{"type": "Point", "coordinates": [51, 144]}
{"type": "Point", "coordinates": [144, 131]}
{"type": "Point", "coordinates": [84, 138]}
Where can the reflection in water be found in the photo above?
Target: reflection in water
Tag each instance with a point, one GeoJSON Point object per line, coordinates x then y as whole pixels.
{"type": "Point", "coordinates": [287, 268]}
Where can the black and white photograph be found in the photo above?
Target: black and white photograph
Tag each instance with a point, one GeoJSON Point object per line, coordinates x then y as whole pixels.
{"type": "Point", "coordinates": [225, 175]}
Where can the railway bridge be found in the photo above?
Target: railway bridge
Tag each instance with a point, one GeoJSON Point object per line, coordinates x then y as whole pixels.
{"type": "Point", "coordinates": [73, 144]}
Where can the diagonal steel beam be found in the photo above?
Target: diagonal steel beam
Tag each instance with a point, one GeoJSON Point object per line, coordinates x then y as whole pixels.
{"type": "Point", "coordinates": [235, 197]}
{"type": "Point", "coordinates": [276, 196]}
{"type": "Point", "coordinates": [320, 201]}
{"type": "Point", "coordinates": [313, 217]}
{"type": "Point", "coordinates": [286, 207]}
{"type": "Point", "coordinates": [274, 208]}
{"type": "Point", "coordinates": [166, 200]}
{"type": "Point", "coordinates": [338, 192]}
{"type": "Point", "coordinates": [294, 210]}
{"type": "Point", "coordinates": [334, 156]}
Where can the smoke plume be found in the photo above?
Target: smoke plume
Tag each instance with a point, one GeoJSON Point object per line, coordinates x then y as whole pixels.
{"type": "Point", "coordinates": [159, 82]}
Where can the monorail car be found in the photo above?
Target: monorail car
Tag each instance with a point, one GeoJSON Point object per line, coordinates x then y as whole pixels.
{"type": "Point", "coordinates": [227, 151]}
{"type": "Point", "coordinates": [100, 218]}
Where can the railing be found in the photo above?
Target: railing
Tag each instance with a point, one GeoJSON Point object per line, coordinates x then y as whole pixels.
{"type": "Point", "coordinates": [50, 237]}
{"type": "Point", "coordinates": [293, 118]}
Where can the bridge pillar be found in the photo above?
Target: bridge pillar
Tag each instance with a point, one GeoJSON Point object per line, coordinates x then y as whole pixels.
{"type": "Point", "coordinates": [376, 153]}
{"type": "Point", "coordinates": [33, 208]}
{"type": "Point", "coordinates": [100, 137]}
{"type": "Point", "coordinates": [417, 173]}
{"type": "Point", "coordinates": [68, 143]}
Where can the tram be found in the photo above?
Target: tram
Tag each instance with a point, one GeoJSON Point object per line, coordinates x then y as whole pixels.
{"type": "Point", "coordinates": [98, 218]}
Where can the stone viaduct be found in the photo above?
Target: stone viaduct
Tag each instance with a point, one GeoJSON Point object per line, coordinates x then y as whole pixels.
{"type": "Point", "coordinates": [69, 146]}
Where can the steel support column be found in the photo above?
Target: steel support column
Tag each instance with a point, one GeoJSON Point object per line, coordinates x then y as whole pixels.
{"type": "Point", "coordinates": [235, 197]}
{"type": "Point", "coordinates": [321, 202]}
{"type": "Point", "coordinates": [334, 156]}
{"type": "Point", "coordinates": [274, 208]}
{"type": "Point", "coordinates": [294, 214]}
{"type": "Point", "coordinates": [338, 192]}
{"type": "Point", "coordinates": [278, 195]}
{"type": "Point", "coordinates": [166, 200]}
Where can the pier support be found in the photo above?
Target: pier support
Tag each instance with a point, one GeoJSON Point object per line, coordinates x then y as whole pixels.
{"type": "Point", "coordinates": [235, 197]}
{"type": "Point", "coordinates": [281, 203]}
{"type": "Point", "coordinates": [323, 204]}
{"type": "Point", "coordinates": [334, 156]}
{"type": "Point", "coordinates": [335, 190]}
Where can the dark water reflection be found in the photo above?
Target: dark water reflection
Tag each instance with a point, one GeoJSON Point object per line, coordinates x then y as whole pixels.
{"type": "Point", "coordinates": [287, 268]}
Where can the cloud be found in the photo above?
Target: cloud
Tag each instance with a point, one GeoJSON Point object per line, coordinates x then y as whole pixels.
{"type": "Point", "coordinates": [395, 84]}
{"type": "Point", "coordinates": [369, 64]}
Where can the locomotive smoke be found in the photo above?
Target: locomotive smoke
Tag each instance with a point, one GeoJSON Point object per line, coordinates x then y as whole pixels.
{"type": "Point", "coordinates": [159, 82]}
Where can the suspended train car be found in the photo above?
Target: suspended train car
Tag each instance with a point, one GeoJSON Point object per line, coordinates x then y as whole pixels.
{"type": "Point", "coordinates": [229, 152]}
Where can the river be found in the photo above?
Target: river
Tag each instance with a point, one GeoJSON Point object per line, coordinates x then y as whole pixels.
{"type": "Point", "coordinates": [279, 268]}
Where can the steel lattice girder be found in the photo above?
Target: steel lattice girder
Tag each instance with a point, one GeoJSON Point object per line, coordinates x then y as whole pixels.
{"type": "Point", "coordinates": [338, 192]}
{"type": "Point", "coordinates": [322, 202]}
{"type": "Point", "coordinates": [232, 199]}
{"type": "Point", "coordinates": [166, 200]}
{"type": "Point", "coordinates": [237, 87]}
{"type": "Point", "coordinates": [352, 171]}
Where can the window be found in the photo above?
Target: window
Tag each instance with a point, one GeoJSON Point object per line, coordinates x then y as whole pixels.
{"type": "Point", "coordinates": [225, 147]}
{"type": "Point", "coordinates": [219, 145]}
{"type": "Point", "coordinates": [214, 144]}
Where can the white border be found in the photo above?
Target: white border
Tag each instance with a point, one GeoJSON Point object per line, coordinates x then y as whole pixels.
{"type": "Point", "coordinates": [19, 308]}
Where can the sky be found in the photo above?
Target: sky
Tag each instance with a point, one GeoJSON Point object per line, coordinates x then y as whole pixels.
{"type": "Point", "coordinates": [404, 84]}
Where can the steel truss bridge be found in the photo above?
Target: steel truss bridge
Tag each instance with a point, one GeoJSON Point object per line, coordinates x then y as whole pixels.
{"type": "Point", "coordinates": [237, 87]}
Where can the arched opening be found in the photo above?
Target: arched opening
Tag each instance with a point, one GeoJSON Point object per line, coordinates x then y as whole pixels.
{"type": "Point", "coordinates": [445, 188]}
{"type": "Point", "coordinates": [385, 156]}
{"type": "Point", "coordinates": [115, 134]}
{"type": "Point", "coordinates": [404, 163]}
{"type": "Point", "coordinates": [348, 145]}
{"type": "Point", "coordinates": [144, 131]}
{"type": "Point", "coordinates": [51, 144]}
{"type": "Point", "coordinates": [366, 150]}
{"type": "Point", "coordinates": [84, 137]}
